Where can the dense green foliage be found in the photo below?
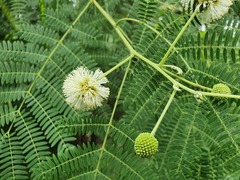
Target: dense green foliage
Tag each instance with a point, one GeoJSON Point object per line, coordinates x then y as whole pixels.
{"type": "Point", "coordinates": [42, 137]}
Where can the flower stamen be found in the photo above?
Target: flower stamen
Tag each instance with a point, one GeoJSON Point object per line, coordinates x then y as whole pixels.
{"type": "Point", "coordinates": [83, 89]}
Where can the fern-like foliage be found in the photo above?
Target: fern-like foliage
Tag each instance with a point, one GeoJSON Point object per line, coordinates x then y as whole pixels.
{"type": "Point", "coordinates": [42, 137]}
{"type": "Point", "coordinates": [12, 158]}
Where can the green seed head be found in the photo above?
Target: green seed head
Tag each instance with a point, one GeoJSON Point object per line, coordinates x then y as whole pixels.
{"type": "Point", "coordinates": [145, 145]}
{"type": "Point", "coordinates": [221, 88]}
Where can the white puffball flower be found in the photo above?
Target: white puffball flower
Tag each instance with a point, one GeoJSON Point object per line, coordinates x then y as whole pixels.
{"type": "Point", "coordinates": [211, 10]}
{"type": "Point", "coordinates": [83, 88]}
{"type": "Point", "coordinates": [214, 10]}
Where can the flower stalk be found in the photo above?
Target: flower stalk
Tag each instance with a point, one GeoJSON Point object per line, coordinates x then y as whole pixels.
{"type": "Point", "coordinates": [163, 113]}
{"type": "Point", "coordinates": [178, 37]}
{"type": "Point", "coordinates": [117, 66]}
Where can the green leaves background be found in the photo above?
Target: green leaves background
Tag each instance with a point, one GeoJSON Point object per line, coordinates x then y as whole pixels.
{"type": "Point", "coordinates": [43, 41]}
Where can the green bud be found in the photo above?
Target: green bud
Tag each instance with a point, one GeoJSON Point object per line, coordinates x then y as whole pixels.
{"type": "Point", "coordinates": [145, 145]}
{"type": "Point", "coordinates": [221, 88]}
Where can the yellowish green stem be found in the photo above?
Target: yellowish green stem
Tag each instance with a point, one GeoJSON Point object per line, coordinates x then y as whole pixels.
{"type": "Point", "coordinates": [113, 23]}
{"type": "Point", "coordinates": [155, 66]}
{"type": "Point", "coordinates": [176, 68]}
{"type": "Point", "coordinates": [112, 116]}
{"type": "Point", "coordinates": [188, 82]}
{"type": "Point", "coordinates": [129, 19]}
{"type": "Point", "coordinates": [117, 66]}
{"type": "Point", "coordinates": [219, 95]}
{"type": "Point", "coordinates": [178, 37]}
{"type": "Point", "coordinates": [155, 31]}
{"type": "Point", "coordinates": [163, 113]}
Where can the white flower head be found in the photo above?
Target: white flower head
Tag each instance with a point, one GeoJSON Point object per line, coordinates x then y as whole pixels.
{"type": "Point", "coordinates": [214, 9]}
{"type": "Point", "coordinates": [83, 88]}
{"type": "Point", "coordinates": [210, 10]}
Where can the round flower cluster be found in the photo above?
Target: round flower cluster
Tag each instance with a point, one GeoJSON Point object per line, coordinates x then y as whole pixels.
{"type": "Point", "coordinates": [145, 145]}
{"type": "Point", "coordinates": [221, 88]}
{"type": "Point", "coordinates": [83, 88]}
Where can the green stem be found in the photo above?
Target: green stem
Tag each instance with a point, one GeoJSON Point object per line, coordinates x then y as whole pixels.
{"type": "Point", "coordinates": [155, 31]}
{"type": "Point", "coordinates": [140, 22]}
{"type": "Point", "coordinates": [117, 66]}
{"type": "Point", "coordinates": [176, 68]}
{"type": "Point", "coordinates": [178, 37]}
{"type": "Point", "coordinates": [130, 19]}
{"type": "Point", "coordinates": [155, 66]}
{"type": "Point", "coordinates": [188, 82]}
{"type": "Point", "coordinates": [112, 116]}
{"type": "Point", "coordinates": [219, 95]}
{"type": "Point", "coordinates": [117, 28]}
{"type": "Point", "coordinates": [163, 113]}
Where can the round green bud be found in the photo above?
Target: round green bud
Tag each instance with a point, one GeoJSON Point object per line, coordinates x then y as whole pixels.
{"type": "Point", "coordinates": [221, 88]}
{"type": "Point", "coordinates": [145, 145]}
